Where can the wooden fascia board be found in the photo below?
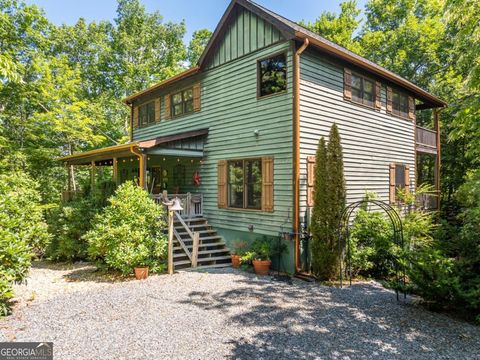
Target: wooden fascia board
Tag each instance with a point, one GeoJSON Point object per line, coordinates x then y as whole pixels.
{"type": "Point", "coordinates": [373, 68]}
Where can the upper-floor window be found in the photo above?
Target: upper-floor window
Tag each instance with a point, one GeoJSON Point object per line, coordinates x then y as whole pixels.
{"type": "Point", "coordinates": [363, 90]}
{"type": "Point", "coordinates": [245, 184]}
{"type": "Point", "coordinates": [146, 114]}
{"type": "Point", "coordinates": [272, 75]}
{"type": "Point", "coordinates": [399, 103]}
{"type": "Point", "coordinates": [182, 102]}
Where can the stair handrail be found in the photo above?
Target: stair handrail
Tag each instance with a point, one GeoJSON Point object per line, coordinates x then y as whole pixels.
{"type": "Point", "coordinates": [193, 235]}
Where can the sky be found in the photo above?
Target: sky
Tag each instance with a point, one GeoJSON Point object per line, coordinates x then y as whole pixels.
{"type": "Point", "coordinates": [198, 14]}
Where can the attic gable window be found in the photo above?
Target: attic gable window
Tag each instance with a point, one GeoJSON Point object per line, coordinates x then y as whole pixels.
{"type": "Point", "coordinates": [272, 75]}
{"type": "Point", "coordinates": [182, 102]}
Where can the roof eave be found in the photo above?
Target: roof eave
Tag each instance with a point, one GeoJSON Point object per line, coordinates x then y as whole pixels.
{"type": "Point", "coordinates": [376, 69]}
{"type": "Point", "coordinates": [173, 79]}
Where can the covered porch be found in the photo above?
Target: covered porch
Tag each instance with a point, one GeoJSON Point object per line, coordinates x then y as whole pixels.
{"type": "Point", "coordinates": [171, 164]}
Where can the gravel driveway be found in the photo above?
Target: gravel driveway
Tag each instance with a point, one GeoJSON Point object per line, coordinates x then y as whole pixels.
{"type": "Point", "coordinates": [225, 313]}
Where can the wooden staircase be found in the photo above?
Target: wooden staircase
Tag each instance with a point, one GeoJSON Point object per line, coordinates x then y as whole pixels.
{"type": "Point", "coordinates": [212, 251]}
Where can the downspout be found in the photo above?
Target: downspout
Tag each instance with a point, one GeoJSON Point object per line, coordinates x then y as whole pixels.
{"type": "Point", "coordinates": [141, 157]}
{"type": "Point", "coordinates": [296, 151]}
{"type": "Point", "coordinates": [438, 159]}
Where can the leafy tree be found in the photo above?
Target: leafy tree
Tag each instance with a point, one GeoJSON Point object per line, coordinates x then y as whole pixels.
{"type": "Point", "coordinates": [339, 28]}
{"type": "Point", "coordinates": [198, 43]}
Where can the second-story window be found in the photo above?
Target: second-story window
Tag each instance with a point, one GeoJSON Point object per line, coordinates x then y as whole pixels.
{"type": "Point", "coordinates": [363, 90]}
{"type": "Point", "coordinates": [272, 75]}
{"type": "Point", "coordinates": [399, 103]}
{"type": "Point", "coordinates": [182, 102]}
{"type": "Point", "coordinates": [146, 114]}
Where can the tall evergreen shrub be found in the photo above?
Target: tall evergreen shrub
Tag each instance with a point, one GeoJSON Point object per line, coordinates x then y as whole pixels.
{"type": "Point", "coordinates": [329, 201]}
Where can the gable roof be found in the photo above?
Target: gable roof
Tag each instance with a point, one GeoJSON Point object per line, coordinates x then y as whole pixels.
{"type": "Point", "coordinates": [293, 31]}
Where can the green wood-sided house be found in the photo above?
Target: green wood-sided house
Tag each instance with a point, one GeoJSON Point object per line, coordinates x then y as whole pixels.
{"type": "Point", "coordinates": [235, 136]}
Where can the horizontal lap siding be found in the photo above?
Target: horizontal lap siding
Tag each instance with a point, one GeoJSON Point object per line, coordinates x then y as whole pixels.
{"type": "Point", "coordinates": [231, 111]}
{"type": "Point", "coordinates": [371, 140]}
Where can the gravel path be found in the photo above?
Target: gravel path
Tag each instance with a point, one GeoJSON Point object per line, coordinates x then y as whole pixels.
{"type": "Point", "coordinates": [225, 313]}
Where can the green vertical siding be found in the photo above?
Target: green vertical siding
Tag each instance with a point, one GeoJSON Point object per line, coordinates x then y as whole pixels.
{"type": "Point", "coordinates": [244, 33]}
{"type": "Point", "coordinates": [231, 111]}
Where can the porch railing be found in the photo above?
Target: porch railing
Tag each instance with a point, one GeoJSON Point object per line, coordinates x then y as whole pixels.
{"type": "Point", "coordinates": [428, 201]}
{"type": "Point", "coordinates": [426, 137]}
{"type": "Point", "coordinates": [192, 204]}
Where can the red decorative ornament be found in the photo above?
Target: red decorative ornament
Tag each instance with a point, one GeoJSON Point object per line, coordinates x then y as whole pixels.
{"type": "Point", "coordinates": [196, 178]}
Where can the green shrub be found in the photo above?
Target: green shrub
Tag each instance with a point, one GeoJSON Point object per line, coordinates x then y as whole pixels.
{"type": "Point", "coordinates": [372, 245]}
{"type": "Point", "coordinates": [23, 231]}
{"type": "Point", "coordinates": [128, 232]}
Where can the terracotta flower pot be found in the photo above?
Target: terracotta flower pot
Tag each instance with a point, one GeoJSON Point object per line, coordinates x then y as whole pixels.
{"type": "Point", "coordinates": [141, 273]}
{"type": "Point", "coordinates": [261, 267]}
{"type": "Point", "coordinates": [235, 260]}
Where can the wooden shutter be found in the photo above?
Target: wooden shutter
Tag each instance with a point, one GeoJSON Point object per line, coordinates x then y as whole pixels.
{"type": "Point", "coordinates": [196, 96]}
{"type": "Point", "coordinates": [411, 108]}
{"type": "Point", "coordinates": [392, 183]}
{"type": "Point", "coordinates": [389, 99]}
{"type": "Point", "coordinates": [157, 110]}
{"type": "Point", "coordinates": [168, 107]}
{"type": "Point", "coordinates": [347, 83]}
{"type": "Point", "coordinates": [378, 95]}
{"type": "Point", "coordinates": [135, 117]}
{"type": "Point", "coordinates": [407, 179]}
{"type": "Point", "coordinates": [222, 184]}
{"type": "Point", "coordinates": [267, 184]}
{"type": "Point", "coordinates": [310, 179]}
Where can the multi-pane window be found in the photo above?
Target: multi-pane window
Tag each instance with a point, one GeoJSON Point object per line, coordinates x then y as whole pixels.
{"type": "Point", "coordinates": [182, 102]}
{"type": "Point", "coordinates": [363, 90]}
{"type": "Point", "coordinates": [272, 75]}
{"type": "Point", "coordinates": [399, 103]}
{"type": "Point", "coordinates": [245, 184]}
{"type": "Point", "coordinates": [146, 114]}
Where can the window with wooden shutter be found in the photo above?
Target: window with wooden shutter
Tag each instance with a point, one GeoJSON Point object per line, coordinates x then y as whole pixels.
{"type": "Point", "coordinates": [222, 184]}
{"type": "Point", "coordinates": [378, 95]}
{"type": "Point", "coordinates": [411, 108]}
{"type": "Point", "coordinates": [135, 117]}
{"type": "Point", "coordinates": [267, 184]}
{"type": "Point", "coordinates": [196, 96]}
{"type": "Point", "coordinates": [168, 107]}
{"type": "Point", "coordinates": [389, 99]}
{"type": "Point", "coordinates": [347, 83]}
{"type": "Point", "coordinates": [399, 180]}
{"type": "Point", "coordinates": [157, 110]}
{"type": "Point", "coordinates": [310, 179]}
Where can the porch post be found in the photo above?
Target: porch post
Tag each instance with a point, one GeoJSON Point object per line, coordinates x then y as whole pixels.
{"type": "Point", "coordinates": [143, 171]}
{"type": "Point", "coordinates": [115, 171]}
{"type": "Point", "coordinates": [436, 115]}
{"type": "Point", "coordinates": [92, 174]}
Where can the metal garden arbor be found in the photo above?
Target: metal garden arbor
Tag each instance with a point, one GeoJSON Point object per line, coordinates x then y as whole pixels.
{"type": "Point", "coordinates": [397, 238]}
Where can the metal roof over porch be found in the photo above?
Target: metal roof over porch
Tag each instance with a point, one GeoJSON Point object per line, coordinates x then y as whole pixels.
{"type": "Point", "coordinates": [187, 144]}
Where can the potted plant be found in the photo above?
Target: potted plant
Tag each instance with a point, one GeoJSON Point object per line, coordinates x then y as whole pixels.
{"type": "Point", "coordinates": [141, 272]}
{"type": "Point", "coordinates": [261, 256]}
{"type": "Point", "coordinates": [238, 250]}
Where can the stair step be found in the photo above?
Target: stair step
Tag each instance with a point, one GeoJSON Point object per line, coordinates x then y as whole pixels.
{"type": "Point", "coordinates": [201, 246]}
{"type": "Point", "coordinates": [215, 258]}
{"type": "Point", "coordinates": [200, 232]}
{"type": "Point", "coordinates": [214, 266]}
{"type": "Point", "coordinates": [203, 252]}
{"type": "Point", "coordinates": [189, 220]}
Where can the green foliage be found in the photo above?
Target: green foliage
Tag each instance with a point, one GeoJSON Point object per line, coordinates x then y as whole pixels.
{"type": "Point", "coordinates": [23, 231]}
{"type": "Point", "coordinates": [372, 245]}
{"type": "Point", "coordinates": [329, 202]}
{"type": "Point", "coordinates": [239, 247]}
{"type": "Point", "coordinates": [263, 249]}
{"type": "Point", "coordinates": [195, 49]}
{"type": "Point", "coordinates": [128, 232]}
